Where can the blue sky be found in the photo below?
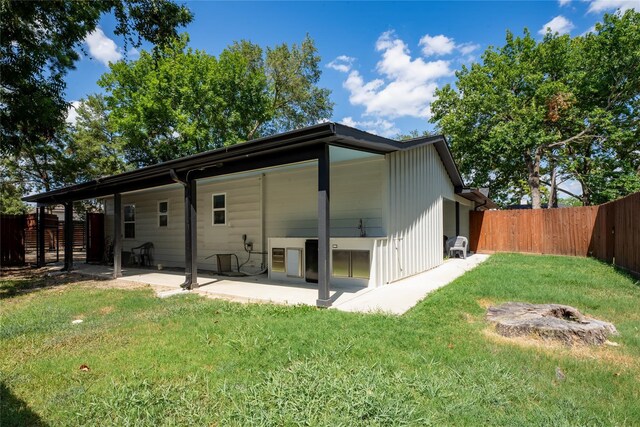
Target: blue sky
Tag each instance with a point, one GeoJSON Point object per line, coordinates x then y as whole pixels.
{"type": "Point", "coordinates": [381, 60]}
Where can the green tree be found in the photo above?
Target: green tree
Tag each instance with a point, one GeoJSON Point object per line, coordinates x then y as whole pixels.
{"type": "Point", "coordinates": [413, 134]}
{"type": "Point", "coordinates": [40, 43]}
{"type": "Point", "coordinates": [562, 106]}
{"type": "Point", "coordinates": [606, 158]}
{"type": "Point", "coordinates": [93, 148]}
{"type": "Point", "coordinates": [183, 101]}
{"type": "Point", "coordinates": [11, 189]}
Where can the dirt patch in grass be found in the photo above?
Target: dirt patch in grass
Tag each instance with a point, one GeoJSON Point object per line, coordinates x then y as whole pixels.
{"type": "Point", "coordinates": [608, 354]}
{"type": "Point", "coordinates": [107, 310]}
{"type": "Point", "coordinates": [470, 318]}
{"type": "Point", "coordinates": [22, 282]}
{"type": "Point", "coordinates": [485, 302]}
{"type": "Point", "coordinates": [116, 284]}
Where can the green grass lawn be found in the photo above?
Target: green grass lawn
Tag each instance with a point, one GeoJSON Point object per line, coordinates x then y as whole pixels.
{"type": "Point", "coordinates": [188, 360]}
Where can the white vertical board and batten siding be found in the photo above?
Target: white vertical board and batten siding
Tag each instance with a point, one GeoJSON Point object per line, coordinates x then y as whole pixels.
{"type": "Point", "coordinates": [417, 183]}
{"type": "Point", "coordinates": [466, 206]}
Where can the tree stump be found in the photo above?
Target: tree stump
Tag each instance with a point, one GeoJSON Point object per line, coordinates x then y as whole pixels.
{"type": "Point", "coordinates": [550, 322]}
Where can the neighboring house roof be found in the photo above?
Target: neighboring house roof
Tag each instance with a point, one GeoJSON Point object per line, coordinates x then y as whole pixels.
{"type": "Point", "coordinates": [287, 147]}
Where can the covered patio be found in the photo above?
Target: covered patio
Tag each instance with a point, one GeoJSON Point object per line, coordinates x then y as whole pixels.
{"type": "Point", "coordinates": [396, 298]}
{"type": "Point", "coordinates": [384, 227]}
{"type": "Point", "coordinates": [304, 145]}
{"type": "Point", "coordinates": [247, 289]}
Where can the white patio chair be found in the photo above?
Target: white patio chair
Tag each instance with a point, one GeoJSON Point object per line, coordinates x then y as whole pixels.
{"type": "Point", "coordinates": [459, 246]}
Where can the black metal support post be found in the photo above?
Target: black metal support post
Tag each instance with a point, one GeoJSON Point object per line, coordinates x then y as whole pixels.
{"type": "Point", "coordinates": [457, 218]}
{"type": "Point", "coordinates": [190, 235]}
{"type": "Point", "coordinates": [57, 243]}
{"type": "Point", "coordinates": [117, 235]}
{"type": "Point", "coordinates": [68, 236]}
{"type": "Point", "coordinates": [324, 233]}
{"type": "Point", "coordinates": [40, 249]}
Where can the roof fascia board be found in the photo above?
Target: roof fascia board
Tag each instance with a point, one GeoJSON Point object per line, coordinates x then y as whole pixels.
{"type": "Point", "coordinates": [256, 154]}
{"type": "Point", "coordinates": [255, 149]}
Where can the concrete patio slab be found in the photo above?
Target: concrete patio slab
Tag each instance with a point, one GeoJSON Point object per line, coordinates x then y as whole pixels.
{"type": "Point", "coordinates": [256, 289]}
{"type": "Point", "coordinates": [399, 297]}
{"type": "Point", "coordinates": [395, 298]}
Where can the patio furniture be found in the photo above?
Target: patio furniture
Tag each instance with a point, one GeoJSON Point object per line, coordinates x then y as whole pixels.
{"type": "Point", "coordinates": [225, 267]}
{"type": "Point", "coordinates": [126, 258]}
{"type": "Point", "coordinates": [459, 247]}
{"type": "Point", "coordinates": [143, 254]}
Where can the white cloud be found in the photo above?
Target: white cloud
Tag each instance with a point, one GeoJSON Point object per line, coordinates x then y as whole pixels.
{"type": "Point", "coordinates": [72, 112]}
{"type": "Point", "coordinates": [591, 29]}
{"type": "Point", "coordinates": [342, 63]}
{"type": "Point", "coordinates": [133, 53]}
{"type": "Point", "coordinates": [102, 47]}
{"type": "Point", "coordinates": [598, 6]}
{"type": "Point", "coordinates": [467, 48]}
{"type": "Point", "coordinates": [564, 2]}
{"type": "Point", "coordinates": [559, 24]}
{"type": "Point", "coordinates": [405, 87]}
{"type": "Point", "coordinates": [436, 45]}
{"type": "Point", "coordinates": [404, 84]}
{"type": "Point", "coordinates": [379, 126]}
{"type": "Point", "coordinates": [571, 186]}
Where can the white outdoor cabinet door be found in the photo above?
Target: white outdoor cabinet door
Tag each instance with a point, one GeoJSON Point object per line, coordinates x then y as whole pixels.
{"type": "Point", "coordinates": [294, 262]}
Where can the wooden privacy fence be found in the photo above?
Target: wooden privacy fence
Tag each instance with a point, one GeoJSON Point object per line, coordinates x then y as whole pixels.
{"type": "Point", "coordinates": [609, 232]}
{"type": "Point", "coordinates": [54, 233]}
{"type": "Point", "coordinates": [19, 241]}
{"type": "Point", "coordinates": [11, 240]}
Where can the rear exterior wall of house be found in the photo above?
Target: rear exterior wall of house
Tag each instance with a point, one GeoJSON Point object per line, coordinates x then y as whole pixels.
{"type": "Point", "coordinates": [284, 200]}
{"type": "Point", "coordinates": [417, 184]}
{"type": "Point", "coordinates": [399, 198]}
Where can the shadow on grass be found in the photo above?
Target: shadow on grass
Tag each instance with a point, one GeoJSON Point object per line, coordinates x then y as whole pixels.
{"type": "Point", "coordinates": [632, 276]}
{"type": "Point", "coordinates": [16, 412]}
{"type": "Point", "coordinates": [15, 283]}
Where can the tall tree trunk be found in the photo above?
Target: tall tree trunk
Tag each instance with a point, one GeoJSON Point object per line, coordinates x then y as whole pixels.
{"type": "Point", "coordinates": [553, 192]}
{"type": "Point", "coordinates": [582, 171]}
{"type": "Point", "coordinates": [586, 193]}
{"type": "Point", "coordinates": [533, 166]}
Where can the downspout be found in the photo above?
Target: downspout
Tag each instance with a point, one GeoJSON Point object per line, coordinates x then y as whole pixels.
{"type": "Point", "coordinates": [479, 206]}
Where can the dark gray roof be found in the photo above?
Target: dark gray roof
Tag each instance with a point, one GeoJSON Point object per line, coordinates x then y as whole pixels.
{"type": "Point", "coordinates": [259, 153]}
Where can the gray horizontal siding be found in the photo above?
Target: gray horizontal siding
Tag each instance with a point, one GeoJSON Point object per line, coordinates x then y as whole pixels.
{"type": "Point", "coordinates": [357, 192]}
{"type": "Point", "coordinates": [290, 209]}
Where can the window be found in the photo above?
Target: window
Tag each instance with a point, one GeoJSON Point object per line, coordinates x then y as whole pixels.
{"type": "Point", "coordinates": [129, 221]}
{"type": "Point", "coordinates": [219, 209]}
{"type": "Point", "coordinates": [163, 213]}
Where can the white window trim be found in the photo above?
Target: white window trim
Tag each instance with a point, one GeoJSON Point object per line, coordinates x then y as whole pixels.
{"type": "Point", "coordinates": [135, 217]}
{"type": "Point", "coordinates": [213, 210]}
{"type": "Point", "coordinates": [163, 214]}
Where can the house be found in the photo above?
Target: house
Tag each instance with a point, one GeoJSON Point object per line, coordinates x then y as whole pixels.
{"type": "Point", "coordinates": [326, 204]}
